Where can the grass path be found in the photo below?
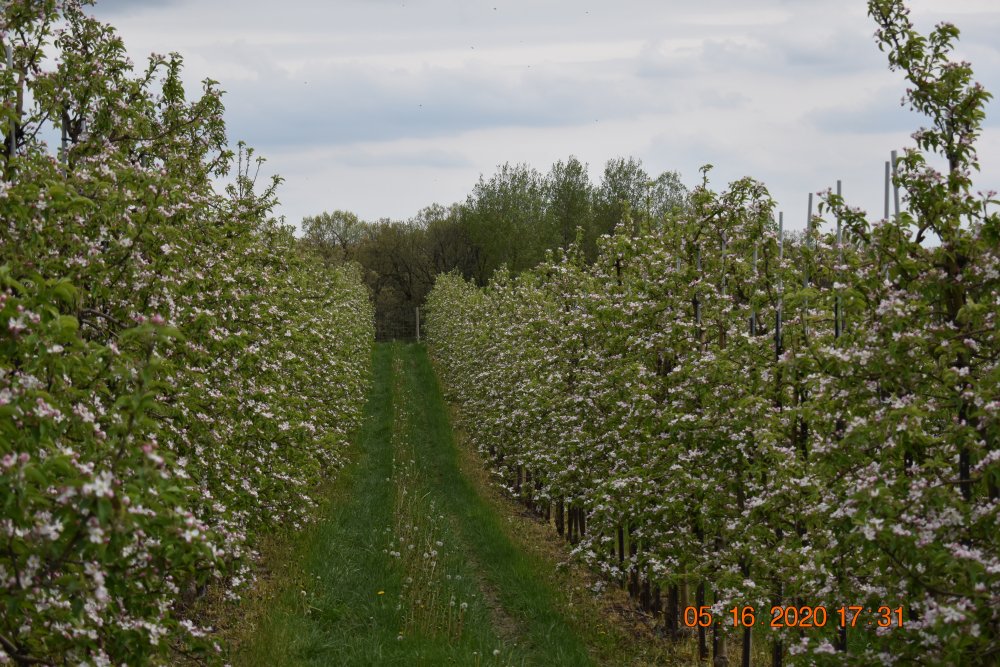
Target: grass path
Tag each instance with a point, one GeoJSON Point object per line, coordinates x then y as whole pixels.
{"type": "Point", "coordinates": [409, 564]}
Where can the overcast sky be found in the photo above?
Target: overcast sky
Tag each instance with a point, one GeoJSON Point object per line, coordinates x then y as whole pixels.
{"type": "Point", "coordinates": [382, 107]}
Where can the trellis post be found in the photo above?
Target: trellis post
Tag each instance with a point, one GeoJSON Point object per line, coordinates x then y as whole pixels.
{"type": "Point", "coordinates": [777, 312]}
{"type": "Point", "coordinates": [12, 130]}
{"type": "Point", "coordinates": [837, 314]}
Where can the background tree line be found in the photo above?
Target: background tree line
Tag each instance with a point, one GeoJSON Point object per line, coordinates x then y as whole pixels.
{"type": "Point", "coordinates": [510, 219]}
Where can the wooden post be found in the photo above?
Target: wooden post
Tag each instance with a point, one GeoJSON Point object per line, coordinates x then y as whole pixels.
{"type": "Point", "coordinates": [747, 643]}
{"type": "Point", "coordinates": [621, 553]}
{"type": "Point", "coordinates": [645, 593]}
{"type": "Point", "coordinates": [671, 614]}
{"type": "Point", "coordinates": [699, 601]}
{"type": "Point", "coordinates": [633, 552]}
{"type": "Point", "coordinates": [418, 324]}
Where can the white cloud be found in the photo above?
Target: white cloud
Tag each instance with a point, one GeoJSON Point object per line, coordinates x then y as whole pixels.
{"type": "Point", "coordinates": [384, 107]}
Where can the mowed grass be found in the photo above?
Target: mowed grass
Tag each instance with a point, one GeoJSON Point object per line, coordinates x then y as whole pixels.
{"type": "Point", "coordinates": [343, 595]}
{"type": "Point", "coordinates": [519, 582]}
{"type": "Point", "coordinates": [328, 609]}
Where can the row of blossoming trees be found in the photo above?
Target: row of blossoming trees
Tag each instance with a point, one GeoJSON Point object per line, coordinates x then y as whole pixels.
{"type": "Point", "coordinates": [176, 377]}
{"type": "Point", "coordinates": [719, 416]}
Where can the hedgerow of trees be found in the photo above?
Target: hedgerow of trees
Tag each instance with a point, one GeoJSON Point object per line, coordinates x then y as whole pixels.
{"type": "Point", "coordinates": [511, 219]}
{"type": "Point", "coordinates": [720, 416]}
{"type": "Point", "coordinates": [177, 374]}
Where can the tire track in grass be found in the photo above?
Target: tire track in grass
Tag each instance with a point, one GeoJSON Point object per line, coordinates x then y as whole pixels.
{"type": "Point", "coordinates": [516, 579]}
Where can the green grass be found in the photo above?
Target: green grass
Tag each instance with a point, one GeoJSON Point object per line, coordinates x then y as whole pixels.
{"type": "Point", "coordinates": [328, 610]}
{"type": "Point", "coordinates": [343, 597]}
{"type": "Point", "coordinates": [519, 580]}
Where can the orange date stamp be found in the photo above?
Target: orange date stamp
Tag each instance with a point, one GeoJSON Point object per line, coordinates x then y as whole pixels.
{"type": "Point", "coordinates": [791, 616]}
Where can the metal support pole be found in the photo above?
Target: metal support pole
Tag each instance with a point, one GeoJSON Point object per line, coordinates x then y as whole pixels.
{"type": "Point", "coordinates": [12, 131]}
{"type": "Point", "coordinates": [808, 243]}
{"type": "Point", "coordinates": [64, 148]}
{"type": "Point", "coordinates": [805, 266]}
{"type": "Point", "coordinates": [895, 184]}
{"type": "Point", "coordinates": [838, 327]}
{"type": "Point", "coordinates": [724, 248]}
{"type": "Point", "coordinates": [888, 183]}
{"type": "Point", "coordinates": [753, 309]}
{"type": "Point", "coordinates": [697, 301]}
{"type": "Point", "coordinates": [722, 317]}
{"type": "Point", "coordinates": [777, 312]}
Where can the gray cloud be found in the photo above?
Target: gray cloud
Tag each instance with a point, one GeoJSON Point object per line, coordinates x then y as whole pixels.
{"type": "Point", "coordinates": [349, 104]}
{"type": "Point", "coordinates": [430, 92]}
{"type": "Point", "coordinates": [108, 9]}
{"type": "Point", "coordinates": [879, 113]}
{"type": "Point", "coordinates": [661, 59]}
{"type": "Point", "coordinates": [833, 53]}
{"type": "Point", "coordinates": [430, 158]}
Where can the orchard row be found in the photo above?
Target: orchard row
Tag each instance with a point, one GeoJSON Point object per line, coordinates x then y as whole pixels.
{"type": "Point", "coordinates": [177, 377]}
{"type": "Point", "coordinates": [717, 416]}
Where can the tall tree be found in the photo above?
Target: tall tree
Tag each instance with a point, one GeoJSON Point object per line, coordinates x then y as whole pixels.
{"type": "Point", "coordinates": [504, 217]}
{"type": "Point", "coordinates": [446, 244]}
{"type": "Point", "coordinates": [569, 196]}
{"type": "Point", "coordinates": [667, 196]}
{"type": "Point", "coordinates": [334, 235]}
{"type": "Point", "coordinates": [624, 192]}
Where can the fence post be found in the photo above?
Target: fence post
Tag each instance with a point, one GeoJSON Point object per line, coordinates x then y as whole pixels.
{"type": "Point", "coordinates": [418, 324]}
